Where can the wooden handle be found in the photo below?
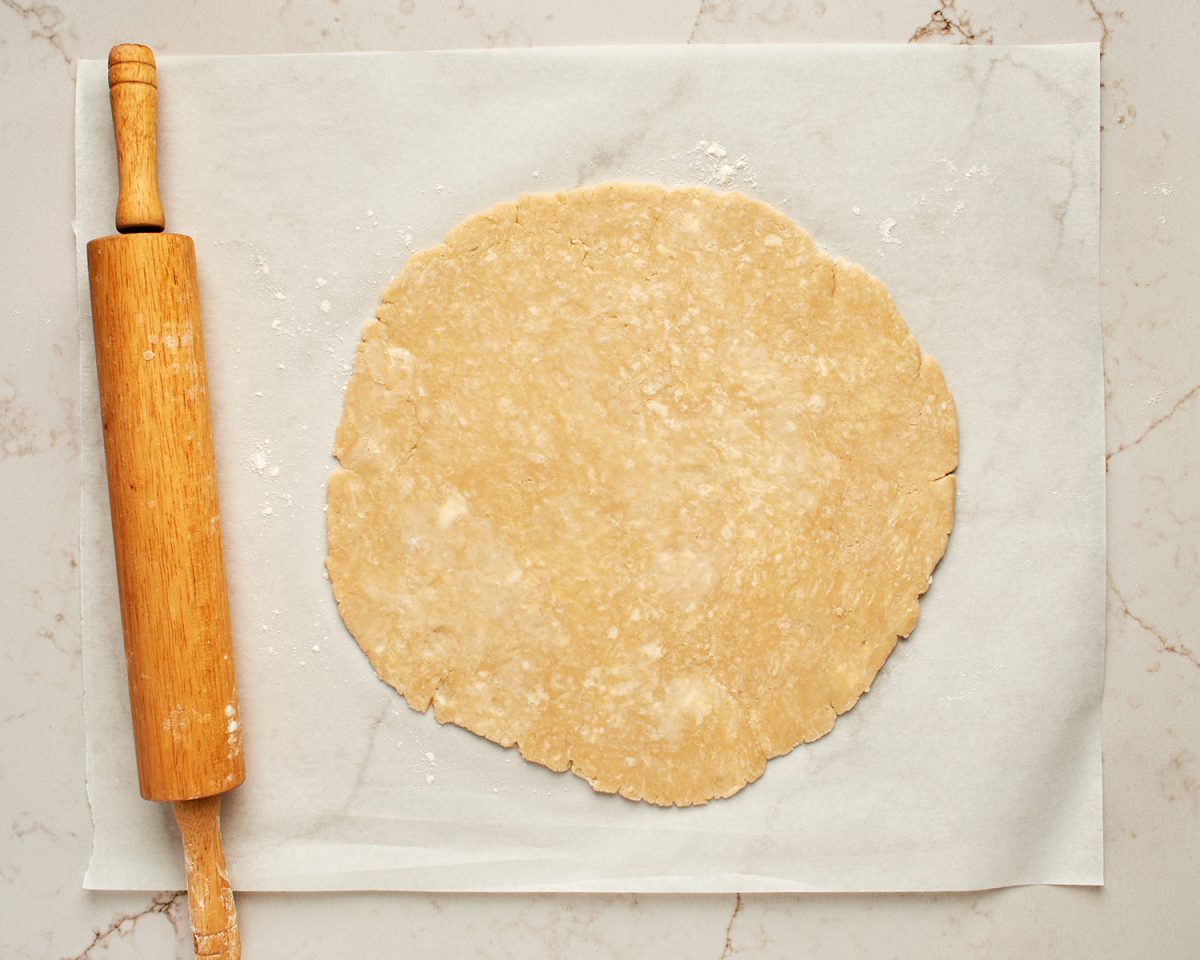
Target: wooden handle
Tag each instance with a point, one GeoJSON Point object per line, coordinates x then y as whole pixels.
{"type": "Point", "coordinates": [133, 91]}
{"type": "Point", "coordinates": [210, 897]}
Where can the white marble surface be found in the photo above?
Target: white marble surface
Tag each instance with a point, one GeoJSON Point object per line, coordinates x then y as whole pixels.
{"type": "Point", "coordinates": [1150, 142]}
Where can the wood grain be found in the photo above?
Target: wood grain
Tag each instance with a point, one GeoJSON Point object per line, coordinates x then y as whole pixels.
{"type": "Point", "coordinates": [210, 898]}
{"type": "Point", "coordinates": [133, 93]}
{"type": "Point", "coordinates": [165, 515]}
{"type": "Point", "coordinates": [166, 518]}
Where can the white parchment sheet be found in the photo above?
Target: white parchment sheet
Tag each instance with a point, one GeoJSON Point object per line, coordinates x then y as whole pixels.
{"type": "Point", "coordinates": [966, 178]}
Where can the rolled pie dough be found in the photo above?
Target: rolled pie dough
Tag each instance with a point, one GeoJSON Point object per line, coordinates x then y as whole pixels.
{"type": "Point", "coordinates": [640, 481]}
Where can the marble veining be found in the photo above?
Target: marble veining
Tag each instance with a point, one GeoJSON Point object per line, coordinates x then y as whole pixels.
{"type": "Point", "coordinates": [1157, 421]}
{"type": "Point", "coordinates": [123, 929]}
{"type": "Point", "coordinates": [1149, 206]}
{"type": "Point", "coordinates": [44, 21]}
{"type": "Point", "coordinates": [948, 23]}
{"type": "Point", "coordinates": [1166, 645]}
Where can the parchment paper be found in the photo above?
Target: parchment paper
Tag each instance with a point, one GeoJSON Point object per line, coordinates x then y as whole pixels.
{"type": "Point", "coordinates": [966, 178]}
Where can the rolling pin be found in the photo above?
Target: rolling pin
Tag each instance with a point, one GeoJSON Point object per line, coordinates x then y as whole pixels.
{"type": "Point", "coordinates": [166, 524]}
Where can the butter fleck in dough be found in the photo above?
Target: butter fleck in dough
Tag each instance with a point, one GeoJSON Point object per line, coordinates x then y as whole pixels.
{"type": "Point", "coordinates": [638, 480]}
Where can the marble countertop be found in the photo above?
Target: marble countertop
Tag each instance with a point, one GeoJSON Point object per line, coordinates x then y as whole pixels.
{"type": "Point", "coordinates": [1150, 200]}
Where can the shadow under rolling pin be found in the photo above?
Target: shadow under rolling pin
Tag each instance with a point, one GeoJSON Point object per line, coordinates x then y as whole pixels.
{"type": "Point", "coordinates": [165, 518]}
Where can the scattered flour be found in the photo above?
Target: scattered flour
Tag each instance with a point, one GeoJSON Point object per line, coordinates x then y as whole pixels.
{"type": "Point", "coordinates": [260, 461]}
{"type": "Point", "coordinates": [885, 231]}
{"type": "Point", "coordinates": [716, 167]}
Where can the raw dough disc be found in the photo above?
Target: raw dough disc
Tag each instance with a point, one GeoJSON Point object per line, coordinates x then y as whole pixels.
{"type": "Point", "coordinates": [640, 481]}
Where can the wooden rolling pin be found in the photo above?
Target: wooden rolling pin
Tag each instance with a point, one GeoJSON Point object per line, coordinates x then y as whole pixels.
{"type": "Point", "coordinates": [166, 526]}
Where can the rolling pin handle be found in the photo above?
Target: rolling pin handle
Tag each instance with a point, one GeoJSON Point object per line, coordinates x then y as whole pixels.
{"type": "Point", "coordinates": [215, 933]}
{"type": "Point", "coordinates": [133, 92]}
